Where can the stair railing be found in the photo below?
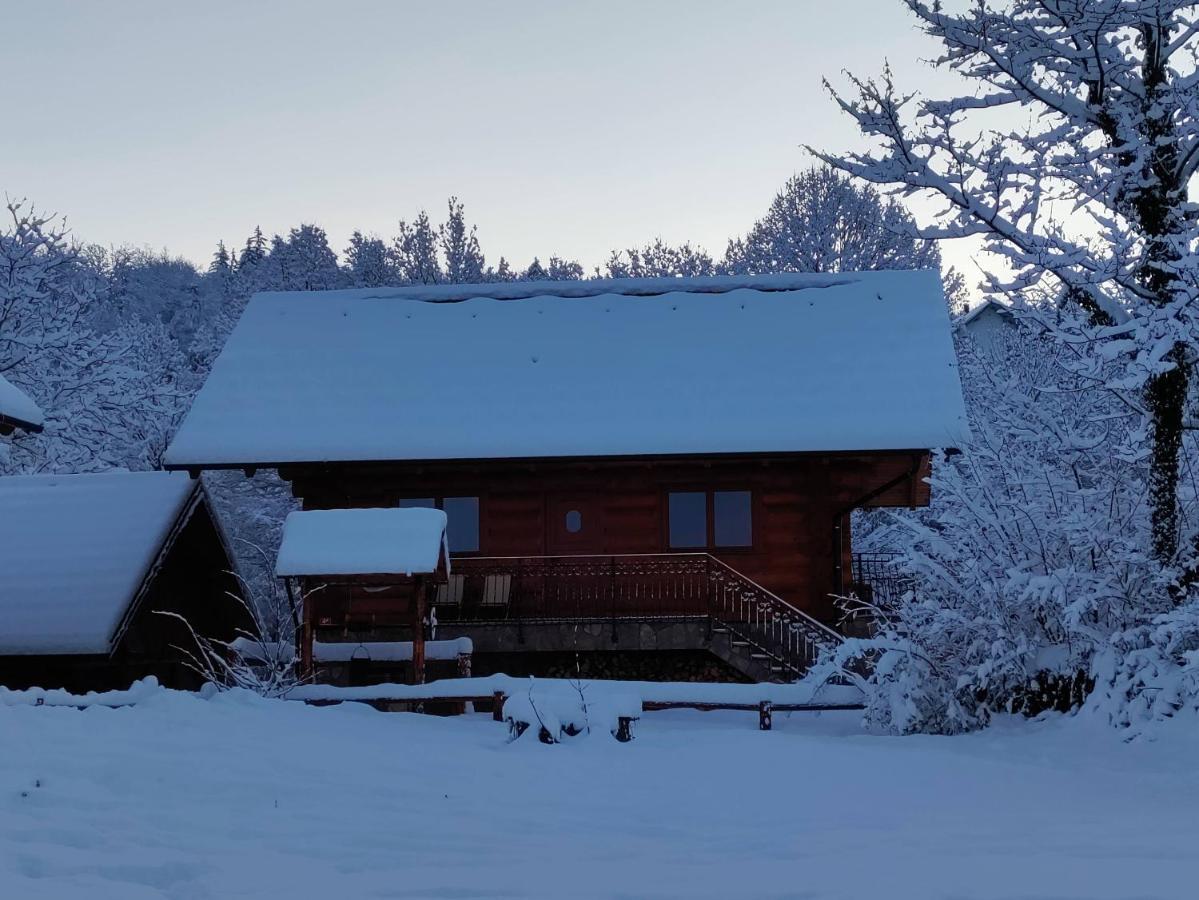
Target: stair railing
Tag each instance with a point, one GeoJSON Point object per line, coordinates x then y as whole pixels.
{"type": "Point", "coordinates": [766, 621]}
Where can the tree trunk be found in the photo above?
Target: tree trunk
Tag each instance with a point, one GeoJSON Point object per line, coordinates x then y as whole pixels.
{"type": "Point", "coordinates": [1166, 394]}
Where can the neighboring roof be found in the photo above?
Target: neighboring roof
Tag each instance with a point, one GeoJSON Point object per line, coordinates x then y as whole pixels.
{"type": "Point", "coordinates": [17, 410]}
{"type": "Point", "coordinates": [390, 541]}
{"type": "Point", "coordinates": [780, 363]}
{"type": "Point", "coordinates": [989, 307]}
{"type": "Point", "coordinates": [75, 551]}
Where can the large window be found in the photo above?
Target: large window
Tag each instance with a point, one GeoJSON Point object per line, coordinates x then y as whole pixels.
{"type": "Point", "coordinates": [710, 519]}
{"type": "Point", "coordinates": [462, 515]}
{"type": "Point", "coordinates": [688, 519]}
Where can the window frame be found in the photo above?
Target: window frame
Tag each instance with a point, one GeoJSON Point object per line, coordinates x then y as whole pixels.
{"type": "Point", "coordinates": [439, 503]}
{"type": "Point", "coordinates": [710, 492]}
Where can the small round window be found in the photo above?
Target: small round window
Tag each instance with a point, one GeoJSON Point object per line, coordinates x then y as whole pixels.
{"type": "Point", "coordinates": [574, 521]}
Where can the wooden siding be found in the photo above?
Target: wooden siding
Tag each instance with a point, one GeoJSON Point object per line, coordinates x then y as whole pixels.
{"type": "Point", "coordinates": [796, 500]}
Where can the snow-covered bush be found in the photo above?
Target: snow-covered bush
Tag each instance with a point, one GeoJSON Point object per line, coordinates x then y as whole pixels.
{"type": "Point", "coordinates": [1151, 672]}
{"type": "Point", "coordinates": [262, 657]}
{"type": "Point", "coordinates": [1031, 558]}
{"type": "Point", "coordinates": [554, 712]}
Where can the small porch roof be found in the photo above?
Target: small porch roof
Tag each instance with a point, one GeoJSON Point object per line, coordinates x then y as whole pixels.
{"type": "Point", "coordinates": [17, 409]}
{"type": "Point", "coordinates": [391, 541]}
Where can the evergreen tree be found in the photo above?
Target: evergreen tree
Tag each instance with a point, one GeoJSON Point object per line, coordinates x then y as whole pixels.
{"type": "Point", "coordinates": [221, 265]}
{"type": "Point", "coordinates": [254, 252]}
{"type": "Point", "coordinates": [535, 272]}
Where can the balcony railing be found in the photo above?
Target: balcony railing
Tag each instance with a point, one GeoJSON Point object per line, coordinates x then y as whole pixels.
{"type": "Point", "coordinates": [632, 587]}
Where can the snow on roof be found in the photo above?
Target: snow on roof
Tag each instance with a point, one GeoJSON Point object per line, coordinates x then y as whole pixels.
{"type": "Point", "coordinates": [857, 361]}
{"type": "Point", "coordinates": [990, 305]}
{"type": "Point", "coordinates": [390, 541]}
{"type": "Point", "coordinates": [75, 549]}
{"type": "Point", "coordinates": [17, 408]}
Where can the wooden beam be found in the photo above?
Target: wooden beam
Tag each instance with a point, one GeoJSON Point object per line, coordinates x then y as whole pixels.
{"type": "Point", "coordinates": [418, 631]}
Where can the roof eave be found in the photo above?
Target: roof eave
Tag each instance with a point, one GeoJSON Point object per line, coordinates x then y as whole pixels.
{"type": "Point", "coordinates": [183, 515]}
{"type": "Point", "coordinates": [8, 424]}
{"type": "Point", "coordinates": [195, 468]}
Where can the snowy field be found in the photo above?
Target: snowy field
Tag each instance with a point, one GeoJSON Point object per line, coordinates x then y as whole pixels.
{"type": "Point", "coordinates": [238, 797]}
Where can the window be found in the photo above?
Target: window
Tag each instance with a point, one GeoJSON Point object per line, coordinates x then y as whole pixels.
{"type": "Point", "coordinates": [732, 519]}
{"type": "Point", "coordinates": [574, 522]}
{"type": "Point", "coordinates": [699, 519]}
{"type": "Point", "coordinates": [688, 519]}
{"type": "Point", "coordinates": [462, 530]}
{"type": "Point", "coordinates": [462, 519]}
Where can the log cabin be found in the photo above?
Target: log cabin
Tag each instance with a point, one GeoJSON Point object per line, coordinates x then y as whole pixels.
{"type": "Point", "coordinates": [649, 478]}
{"type": "Point", "coordinates": [88, 563]}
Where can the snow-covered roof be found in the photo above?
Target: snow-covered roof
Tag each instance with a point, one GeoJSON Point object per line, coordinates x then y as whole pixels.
{"type": "Point", "coordinates": [74, 552]}
{"type": "Point", "coordinates": [17, 409]}
{"type": "Point", "coordinates": [780, 363]}
{"type": "Point", "coordinates": [990, 306]}
{"type": "Point", "coordinates": [391, 541]}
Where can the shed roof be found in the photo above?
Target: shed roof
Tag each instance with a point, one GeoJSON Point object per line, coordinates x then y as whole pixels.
{"type": "Point", "coordinates": [17, 408]}
{"type": "Point", "coordinates": [390, 541]}
{"type": "Point", "coordinates": [74, 552]}
{"type": "Point", "coordinates": [782, 363]}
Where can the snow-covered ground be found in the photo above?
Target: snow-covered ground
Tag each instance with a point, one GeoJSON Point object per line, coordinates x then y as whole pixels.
{"type": "Point", "coordinates": [238, 797]}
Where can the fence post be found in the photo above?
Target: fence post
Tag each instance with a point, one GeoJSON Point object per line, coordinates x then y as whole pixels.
{"type": "Point", "coordinates": [497, 706]}
{"type": "Point", "coordinates": [765, 714]}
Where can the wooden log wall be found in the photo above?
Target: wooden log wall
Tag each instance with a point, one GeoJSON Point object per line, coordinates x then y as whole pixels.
{"type": "Point", "coordinates": [623, 504]}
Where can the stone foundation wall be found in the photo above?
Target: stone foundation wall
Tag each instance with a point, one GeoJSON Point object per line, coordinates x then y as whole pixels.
{"type": "Point", "coordinates": [663, 665]}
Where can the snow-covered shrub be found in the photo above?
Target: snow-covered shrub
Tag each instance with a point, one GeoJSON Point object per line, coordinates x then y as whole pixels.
{"type": "Point", "coordinates": [1031, 558]}
{"type": "Point", "coordinates": [554, 711]}
{"type": "Point", "coordinates": [262, 657]}
{"type": "Point", "coordinates": [1151, 672]}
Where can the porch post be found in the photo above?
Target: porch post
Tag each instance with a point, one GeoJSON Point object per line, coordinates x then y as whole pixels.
{"type": "Point", "coordinates": [305, 635]}
{"type": "Point", "coordinates": [418, 632]}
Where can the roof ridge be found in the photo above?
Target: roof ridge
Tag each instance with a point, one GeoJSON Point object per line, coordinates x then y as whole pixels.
{"type": "Point", "coordinates": [629, 287]}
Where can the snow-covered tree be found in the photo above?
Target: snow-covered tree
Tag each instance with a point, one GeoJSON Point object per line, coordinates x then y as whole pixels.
{"type": "Point", "coordinates": [368, 262]}
{"type": "Point", "coordinates": [659, 259]}
{"type": "Point", "coordinates": [464, 263]}
{"type": "Point", "coordinates": [416, 252]}
{"type": "Point", "coordinates": [254, 250]}
{"type": "Point", "coordinates": [1083, 188]}
{"type": "Point", "coordinates": [1030, 559]}
{"type": "Point", "coordinates": [222, 263]}
{"type": "Point", "coordinates": [822, 221]}
{"type": "Point", "coordinates": [303, 261]}
{"type": "Point", "coordinates": [108, 392]}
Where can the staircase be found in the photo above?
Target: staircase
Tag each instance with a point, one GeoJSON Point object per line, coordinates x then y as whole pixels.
{"type": "Point", "coordinates": [758, 633]}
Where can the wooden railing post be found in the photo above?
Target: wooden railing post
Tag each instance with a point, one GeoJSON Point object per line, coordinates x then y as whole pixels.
{"type": "Point", "coordinates": [612, 594]}
{"type": "Point", "coordinates": [708, 592]}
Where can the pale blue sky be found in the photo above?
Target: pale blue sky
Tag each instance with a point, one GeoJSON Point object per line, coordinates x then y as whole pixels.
{"type": "Point", "coordinates": [567, 128]}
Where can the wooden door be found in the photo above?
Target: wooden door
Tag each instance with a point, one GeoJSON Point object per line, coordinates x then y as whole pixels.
{"type": "Point", "coordinates": [575, 524]}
